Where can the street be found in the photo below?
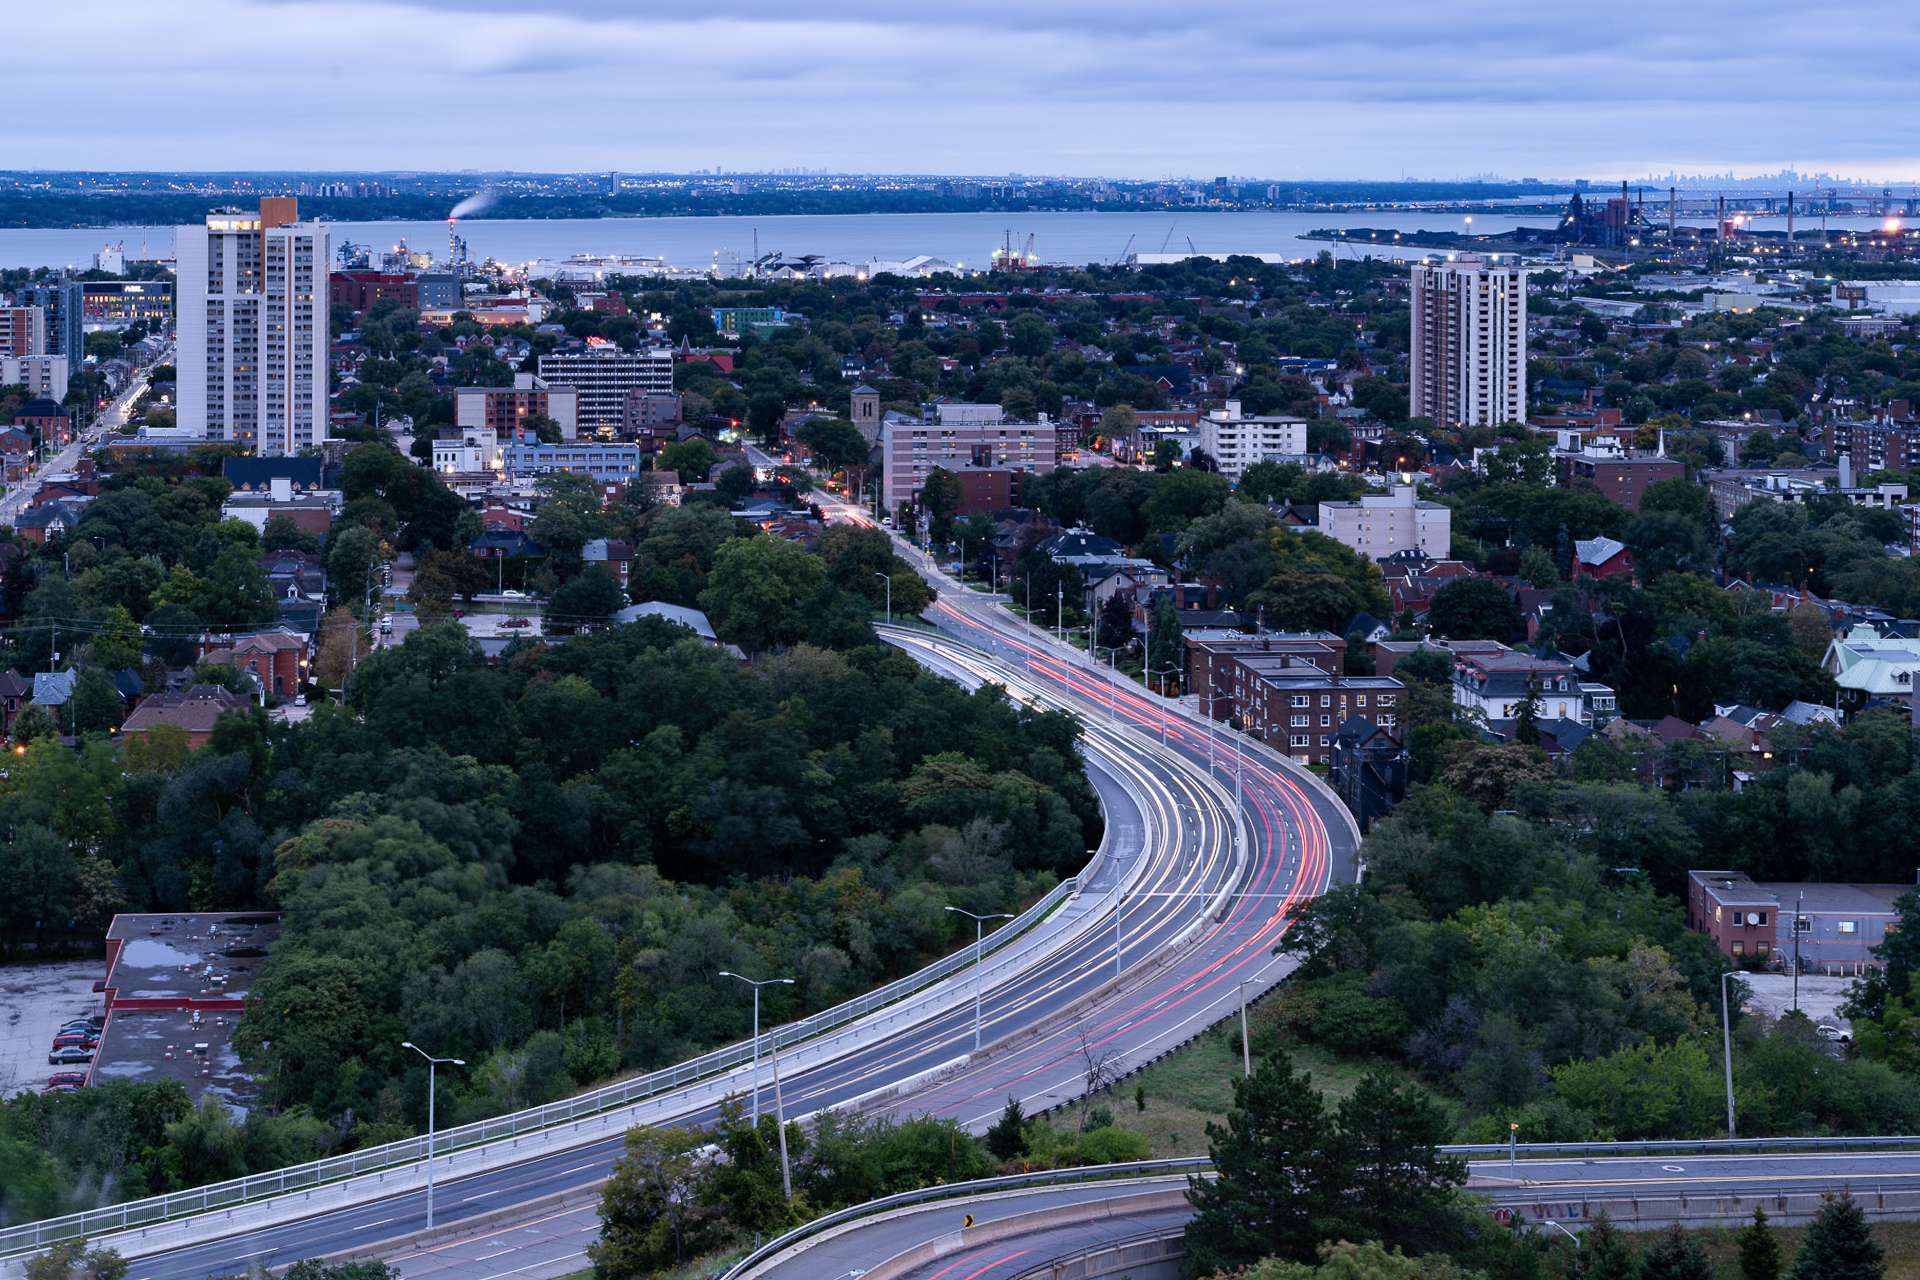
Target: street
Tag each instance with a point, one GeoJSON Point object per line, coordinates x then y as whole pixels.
{"type": "Point", "coordinates": [112, 418]}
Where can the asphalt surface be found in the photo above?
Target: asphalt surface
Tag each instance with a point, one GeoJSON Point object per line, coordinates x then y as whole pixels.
{"type": "Point", "coordinates": [1552, 1189]}
{"type": "Point", "coordinates": [111, 418]}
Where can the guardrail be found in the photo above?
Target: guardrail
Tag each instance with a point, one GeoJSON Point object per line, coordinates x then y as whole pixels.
{"type": "Point", "coordinates": [303, 1177]}
{"type": "Point", "coordinates": [1200, 1164]}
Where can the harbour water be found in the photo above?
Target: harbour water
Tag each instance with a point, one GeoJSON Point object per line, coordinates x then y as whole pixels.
{"type": "Point", "coordinates": [966, 239]}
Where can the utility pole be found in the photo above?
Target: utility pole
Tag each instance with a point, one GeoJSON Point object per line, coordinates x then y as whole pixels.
{"type": "Point", "coordinates": [1799, 905]}
{"type": "Point", "coordinates": [1246, 1046]}
{"type": "Point", "coordinates": [1726, 1044]}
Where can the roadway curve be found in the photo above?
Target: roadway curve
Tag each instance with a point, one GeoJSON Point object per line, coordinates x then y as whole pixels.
{"type": "Point", "coordinates": [1536, 1189]}
{"type": "Point", "coordinates": [1182, 970]}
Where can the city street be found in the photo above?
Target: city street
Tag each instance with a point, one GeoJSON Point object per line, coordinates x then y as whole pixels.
{"type": "Point", "coordinates": [111, 418]}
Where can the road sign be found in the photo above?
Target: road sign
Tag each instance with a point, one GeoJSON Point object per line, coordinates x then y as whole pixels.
{"type": "Point", "coordinates": [967, 1222]}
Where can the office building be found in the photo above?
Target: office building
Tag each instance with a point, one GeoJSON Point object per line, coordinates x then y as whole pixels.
{"type": "Point", "coordinates": [23, 331]}
{"type": "Point", "coordinates": [43, 376]}
{"type": "Point", "coordinates": [65, 308]}
{"type": "Point", "coordinates": [1235, 441]}
{"type": "Point", "coordinates": [954, 436]}
{"type": "Point", "coordinates": [503, 410]}
{"type": "Point", "coordinates": [114, 303]}
{"type": "Point", "coordinates": [601, 461]}
{"type": "Point", "coordinates": [1621, 476]}
{"type": "Point", "coordinates": [1827, 929]}
{"type": "Point", "coordinates": [1468, 354]}
{"type": "Point", "coordinates": [253, 328]}
{"type": "Point", "coordinates": [604, 375]}
{"type": "Point", "coordinates": [1384, 524]}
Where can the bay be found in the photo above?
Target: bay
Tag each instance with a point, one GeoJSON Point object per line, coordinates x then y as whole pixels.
{"type": "Point", "coordinates": [967, 239]}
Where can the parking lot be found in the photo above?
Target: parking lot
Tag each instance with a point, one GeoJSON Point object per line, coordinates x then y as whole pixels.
{"type": "Point", "coordinates": [34, 1001]}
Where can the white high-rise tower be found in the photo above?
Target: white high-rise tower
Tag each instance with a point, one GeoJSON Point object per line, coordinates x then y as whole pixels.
{"type": "Point", "coordinates": [1468, 356]}
{"type": "Point", "coordinates": [253, 328]}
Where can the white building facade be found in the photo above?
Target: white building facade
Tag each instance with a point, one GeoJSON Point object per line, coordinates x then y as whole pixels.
{"type": "Point", "coordinates": [1236, 441]}
{"type": "Point", "coordinates": [41, 375]}
{"type": "Point", "coordinates": [253, 328]}
{"type": "Point", "coordinates": [1468, 355]}
{"type": "Point", "coordinates": [1383, 524]}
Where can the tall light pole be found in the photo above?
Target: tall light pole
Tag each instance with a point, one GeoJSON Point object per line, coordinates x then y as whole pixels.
{"type": "Point", "coordinates": [764, 982]}
{"type": "Point", "coordinates": [888, 579]}
{"type": "Point", "coordinates": [979, 924]}
{"type": "Point", "coordinates": [432, 1062]}
{"type": "Point", "coordinates": [1726, 1043]}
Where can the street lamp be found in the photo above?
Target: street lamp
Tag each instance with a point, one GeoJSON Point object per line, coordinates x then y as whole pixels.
{"type": "Point", "coordinates": [979, 923]}
{"type": "Point", "coordinates": [889, 581]}
{"type": "Point", "coordinates": [432, 1062]}
{"type": "Point", "coordinates": [1726, 1043]}
{"type": "Point", "coordinates": [764, 982]}
{"type": "Point", "coordinates": [779, 1107]}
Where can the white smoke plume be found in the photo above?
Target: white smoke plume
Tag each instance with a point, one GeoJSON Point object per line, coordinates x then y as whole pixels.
{"type": "Point", "coordinates": [471, 205]}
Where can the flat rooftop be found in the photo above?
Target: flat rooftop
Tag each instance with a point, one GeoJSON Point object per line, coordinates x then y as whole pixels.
{"type": "Point", "coordinates": [150, 1045]}
{"type": "Point", "coordinates": [207, 955]}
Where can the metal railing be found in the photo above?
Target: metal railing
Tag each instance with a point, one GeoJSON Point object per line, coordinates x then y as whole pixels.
{"type": "Point", "coordinates": [303, 1177]}
{"type": "Point", "coordinates": [1201, 1164]}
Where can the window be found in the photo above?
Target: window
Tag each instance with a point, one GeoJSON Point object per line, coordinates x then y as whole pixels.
{"type": "Point", "coordinates": [1326, 700]}
{"type": "Point", "coordinates": [1298, 740]}
{"type": "Point", "coordinates": [1302, 700]}
{"type": "Point", "coordinates": [1763, 917]}
{"type": "Point", "coordinates": [1760, 949]}
{"type": "Point", "coordinates": [1387, 722]}
{"type": "Point", "coordinates": [1325, 721]}
{"type": "Point", "coordinates": [1848, 926]}
{"type": "Point", "coordinates": [1739, 947]}
{"type": "Point", "coordinates": [1360, 699]}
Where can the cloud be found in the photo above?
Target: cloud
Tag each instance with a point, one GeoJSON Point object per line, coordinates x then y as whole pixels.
{"type": "Point", "coordinates": [1120, 87]}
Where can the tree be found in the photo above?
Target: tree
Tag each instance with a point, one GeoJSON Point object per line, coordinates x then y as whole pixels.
{"type": "Point", "coordinates": [1273, 1195]}
{"type": "Point", "coordinates": [1839, 1245]}
{"type": "Point", "coordinates": [692, 459]}
{"type": "Point", "coordinates": [588, 598]}
{"type": "Point", "coordinates": [835, 443]}
{"type": "Point", "coordinates": [1007, 1139]}
{"type": "Point", "coordinates": [1759, 1249]}
{"type": "Point", "coordinates": [1675, 1255]}
{"type": "Point", "coordinates": [73, 1260]}
{"type": "Point", "coordinates": [940, 499]}
{"type": "Point", "coordinates": [234, 593]}
{"type": "Point", "coordinates": [1526, 720]}
{"type": "Point", "coordinates": [1402, 1188]}
{"type": "Point", "coordinates": [118, 643]}
{"type": "Point", "coordinates": [1164, 649]}
{"type": "Point", "coordinates": [568, 515]}
{"type": "Point", "coordinates": [652, 1210]}
{"type": "Point", "coordinates": [96, 705]}
{"type": "Point", "coordinates": [1474, 609]}
{"type": "Point", "coordinates": [1603, 1254]}
{"type": "Point", "coordinates": [350, 566]}
{"type": "Point", "coordinates": [735, 483]}
{"type": "Point", "coordinates": [282, 534]}
{"type": "Point", "coordinates": [754, 593]}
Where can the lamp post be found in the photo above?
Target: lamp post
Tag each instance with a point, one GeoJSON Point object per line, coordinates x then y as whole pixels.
{"type": "Point", "coordinates": [1726, 1043]}
{"type": "Point", "coordinates": [888, 579]}
{"type": "Point", "coordinates": [979, 924]}
{"type": "Point", "coordinates": [764, 982]}
{"type": "Point", "coordinates": [432, 1062]}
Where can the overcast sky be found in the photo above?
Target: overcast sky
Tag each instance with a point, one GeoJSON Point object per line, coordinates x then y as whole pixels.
{"type": "Point", "coordinates": [1126, 88]}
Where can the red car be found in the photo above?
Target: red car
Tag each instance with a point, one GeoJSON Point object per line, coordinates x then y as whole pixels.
{"type": "Point", "coordinates": [85, 1039]}
{"type": "Point", "coordinates": [66, 1080]}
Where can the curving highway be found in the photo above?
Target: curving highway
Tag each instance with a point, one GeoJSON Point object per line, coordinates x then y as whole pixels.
{"type": "Point", "coordinates": [1199, 895]}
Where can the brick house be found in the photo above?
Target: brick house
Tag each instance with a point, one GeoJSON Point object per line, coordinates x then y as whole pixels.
{"type": "Point", "coordinates": [276, 657]}
{"type": "Point", "coordinates": [193, 710]}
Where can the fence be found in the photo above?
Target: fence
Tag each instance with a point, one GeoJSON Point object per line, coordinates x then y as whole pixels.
{"type": "Point", "coordinates": [303, 1177]}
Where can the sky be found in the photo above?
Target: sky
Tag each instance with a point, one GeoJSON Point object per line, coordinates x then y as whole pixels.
{"type": "Point", "coordinates": [1118, 88]}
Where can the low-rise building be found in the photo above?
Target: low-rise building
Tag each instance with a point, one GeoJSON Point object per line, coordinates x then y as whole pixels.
{"type": "Point", "coordinates": [601, 461]}
{"type": "Point", "coordinates": [276, 658]}
{"type": "Point", "coordinates": [176, 984]}
{"type": "Point", "coordinates": [1379, 525]}
{"type": "Point", "coordinates": [504, 411]}
{"type": "Point", "coordinates": [1493, 686]}
{"type": "Point", "coordinates": [1620, 476]}
{"type": "Point", "coordinates": [1235, 440]}
{"type": "Point", "coordinates": [1870, 668]}
{"type": "Point", "coordinates": [1835, 926]}
{"type": "Point", "coordinates": [1295, 707]}
{"type": "Point", "coordinates": [194, 711]}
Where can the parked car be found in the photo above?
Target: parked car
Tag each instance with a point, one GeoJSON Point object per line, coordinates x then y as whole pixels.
{"type": "Point", "coordinates": [300, 700]}
{"type": "Point", "coordinates": [513, 595]}
{"type": "Point", "coordinates": [1832, 1033]}
{"type": "Point", "coordinates": [86, 1039]}
{"type": "Point", "coordinates": [83, 1024]}
{"type": "Point", "coordinates": [68, 1054]}
{"type": "Point", "coordinates": [66, 1079]}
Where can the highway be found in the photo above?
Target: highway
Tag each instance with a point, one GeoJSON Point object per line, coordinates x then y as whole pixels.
{"type": "Point", "coordinates": [1536, 1189]}
{"type": "Point", "coordinates": [1172, 853]}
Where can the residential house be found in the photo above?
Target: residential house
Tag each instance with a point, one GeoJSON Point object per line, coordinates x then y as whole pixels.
{"type": "Point", "coordinates": [50, 522]}
{"type": "Point", "coordinates": [1601, 558]}
{"type": "Point", "coordinates": [1368, 767]}
{"type": "Point", "coordinates": [1872, 667]}
{"type": "Point", "coordinates": [611, 554]}
{"type": "Point", "coordinates": [194, 710]}
{"type": "Point", "coordinates": [16, 691]}
{"type": "Point", "coordinates": [277, 658]}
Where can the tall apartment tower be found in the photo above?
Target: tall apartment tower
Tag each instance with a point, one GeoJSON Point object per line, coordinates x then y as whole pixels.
{"type": "Point", "coordinates": [1468, 354]}
{"type": "Point", "coordinates": [253, 328]}
{"type": "Point", "coordinates": [23, 331]}
{"type": "Point", "coordinates": [63, 305]}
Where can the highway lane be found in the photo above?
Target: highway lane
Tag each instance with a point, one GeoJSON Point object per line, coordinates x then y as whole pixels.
{"type": "Point", "coordinates": [1556, 1185]}
{"type": "Point", "coordinates": [1152, 804]}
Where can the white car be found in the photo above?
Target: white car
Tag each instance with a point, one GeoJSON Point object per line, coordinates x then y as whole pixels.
{"type": "Point", "coordinates": [1835, 1034]}
{"type": "Point", "coordinates": [513, 595]}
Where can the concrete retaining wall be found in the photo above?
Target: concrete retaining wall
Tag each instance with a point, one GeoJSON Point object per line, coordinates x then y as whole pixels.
{"type": "Point", "coordinates": [1021, 1224]}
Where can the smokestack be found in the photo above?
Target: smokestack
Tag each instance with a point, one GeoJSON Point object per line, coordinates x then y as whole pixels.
{"type": "Point", "coordinates": [451, 242]}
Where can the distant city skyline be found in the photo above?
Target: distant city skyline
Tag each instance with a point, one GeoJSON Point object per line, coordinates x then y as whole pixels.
{"type": "Point", "coordinates": [1096, 88]}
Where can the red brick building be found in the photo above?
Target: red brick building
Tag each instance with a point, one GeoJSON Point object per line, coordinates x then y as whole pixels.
{"type": "Point", "coordinates": [1216, 660]}
{"type": "Point", "coordinates": [277, 658]}
{"type": "Point", "coordinates": [359, 290]}
{"type": "Point", "coordinates": [1623, 480]}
